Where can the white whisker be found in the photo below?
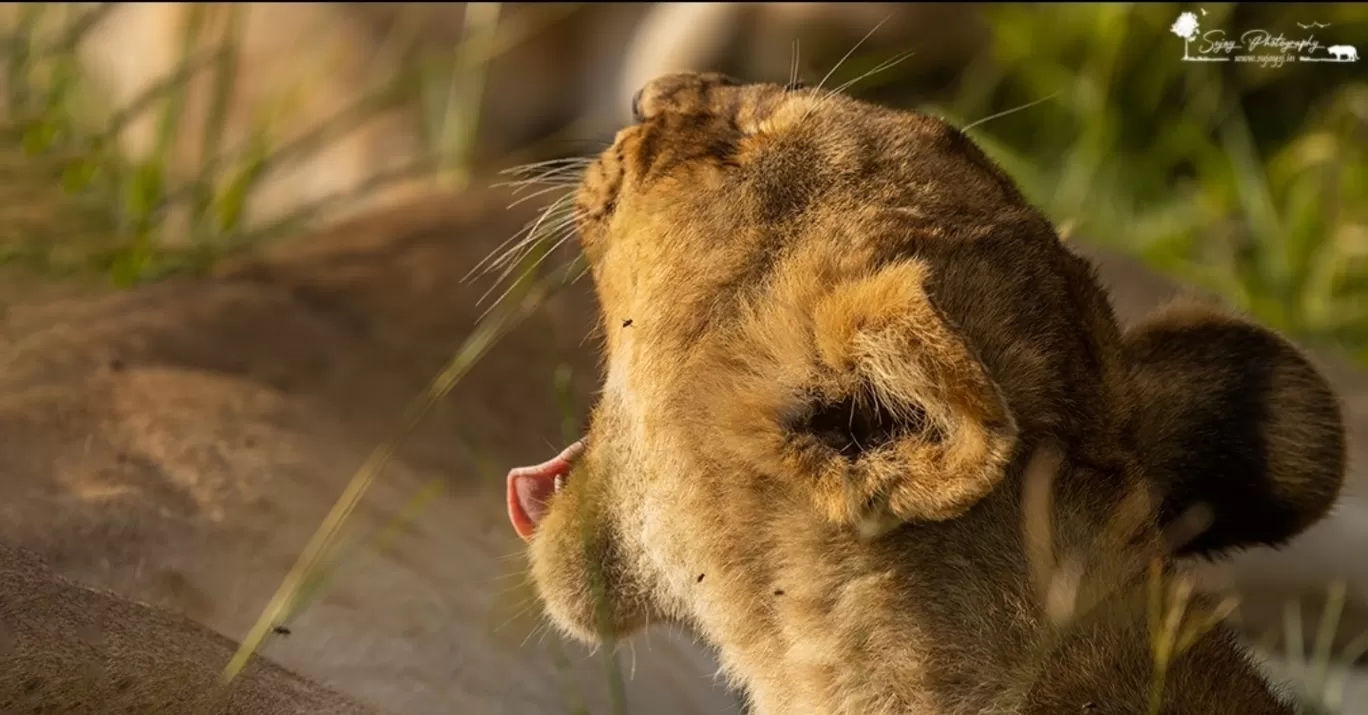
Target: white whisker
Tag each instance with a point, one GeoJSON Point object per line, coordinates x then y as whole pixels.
{"type": "Point", "coordinates": [529, 228]}
{"type": "Point", "coordinates": [556, 240]}
{"type": "Point", "coordinates": [545, 175]}
{"type": "Point", "coordinates": [528, 168]}
{"type": "Point", "coordinates": [1005, 112]}
{"type": "Point", "coordinates": [567, 267]}
{"type": "Point", "coordinates": [561, 176]}
{"type": "Point", "coordinates": [837, 66]}
{"type": "Point", "coordinates": [885, 65]}
{"type": "Point", "coordinates": [530, 270]}
{"type": "Point", "coordinates": [564, 178]}
{"type": "Point", "coordinates": [535, 630]}
{"type": "Point", "coordinates": [582, 272]}
{"type": "Point", "coordinates": [520, 251]}
{"type": "Point", "coordinates": [851, 52]}
{"type": "Point", "coordinates": [535, 194]}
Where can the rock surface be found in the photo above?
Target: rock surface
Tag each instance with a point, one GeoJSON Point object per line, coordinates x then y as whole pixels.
{"type": "Point", "coordinates": [136, 658]}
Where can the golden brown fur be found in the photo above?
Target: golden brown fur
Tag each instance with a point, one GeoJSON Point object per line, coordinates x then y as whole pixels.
{"type": "Point", "coordinates": [872, 431]}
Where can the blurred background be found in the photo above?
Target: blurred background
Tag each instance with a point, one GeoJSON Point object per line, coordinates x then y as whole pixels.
{"type": "Point", "coordinates": [1244, 177]}
{"type": "Point", "coordinates": [146, 142]}
{"type": "Point", "coordinates": [210, 126]}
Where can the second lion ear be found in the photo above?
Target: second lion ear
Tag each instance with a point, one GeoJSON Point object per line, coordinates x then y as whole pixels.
{"type": "Point", "coordinates": [879, 403]}
{"type": "Point", "coordinates": [1232, 419]}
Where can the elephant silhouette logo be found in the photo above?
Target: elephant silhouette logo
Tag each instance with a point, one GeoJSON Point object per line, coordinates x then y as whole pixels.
{"type": "Point", "coordinates": [1343, 53]}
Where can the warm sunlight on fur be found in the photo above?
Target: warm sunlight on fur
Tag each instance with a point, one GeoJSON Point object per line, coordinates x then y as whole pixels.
{"type": "Point", "coordinates": [835, 337]}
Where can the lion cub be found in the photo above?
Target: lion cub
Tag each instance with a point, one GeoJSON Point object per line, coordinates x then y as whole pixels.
{"type": "Point", "coordinates": [873, 432]}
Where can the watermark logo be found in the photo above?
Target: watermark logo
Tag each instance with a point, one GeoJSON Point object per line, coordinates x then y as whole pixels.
{"type": "Point", "coordinates": [1258, 45]}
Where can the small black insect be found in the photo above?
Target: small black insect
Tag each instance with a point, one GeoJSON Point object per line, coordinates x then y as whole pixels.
{"type": "Point", "coordinates": [282, 630]}
{"type": "Point", "coordinates": [627, 323]}
{"type": "Point", "coordinates": [700, 578]}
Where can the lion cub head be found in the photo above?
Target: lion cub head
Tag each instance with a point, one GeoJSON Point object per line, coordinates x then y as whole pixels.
{"type": "Point", "coordinates": [836, 338]}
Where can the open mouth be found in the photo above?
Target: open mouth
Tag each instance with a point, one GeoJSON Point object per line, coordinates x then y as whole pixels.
{"type": "Point", "coordinates": [530, 489]}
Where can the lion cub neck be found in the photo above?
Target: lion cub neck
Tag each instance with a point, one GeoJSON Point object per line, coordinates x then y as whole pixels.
{"type": "Point", "coordinates": [943, 619]}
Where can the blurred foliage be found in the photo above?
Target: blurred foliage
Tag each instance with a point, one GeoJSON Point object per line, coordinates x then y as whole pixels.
{"type": "Point", "coordinates": [1244, 179]}
{"type": "Point", "coordinates": [79, 200]}
{"type": "Point", "coordinates": [71, 200]}
{"type": "Point", "coordinates": [1247, 180]}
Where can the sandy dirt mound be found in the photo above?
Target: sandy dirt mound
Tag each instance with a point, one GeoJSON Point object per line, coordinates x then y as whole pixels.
{"type": "Point", "coordinates": [134, 657]}
{"type": "Point", "coordinates": [178, 444]}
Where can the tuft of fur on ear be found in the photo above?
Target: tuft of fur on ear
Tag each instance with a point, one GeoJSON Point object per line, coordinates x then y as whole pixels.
{"type": "Point", "coordinates": [866, 389]}
{"type": "Point", "coordinates": [1233, 421]}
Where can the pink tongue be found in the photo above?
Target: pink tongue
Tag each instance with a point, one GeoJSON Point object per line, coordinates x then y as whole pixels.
{"type": "Point", "coordinates": [530, 489]}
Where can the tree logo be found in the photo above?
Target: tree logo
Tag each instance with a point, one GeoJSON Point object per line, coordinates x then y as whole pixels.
{"type": "Point", "coordinates": [1186, 27]}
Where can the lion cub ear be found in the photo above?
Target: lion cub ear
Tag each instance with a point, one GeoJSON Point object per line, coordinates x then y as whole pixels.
{"type": "Point", "coordinates": [877, 403]}
{"type": "Point", "coordinates": [1233, 422]}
